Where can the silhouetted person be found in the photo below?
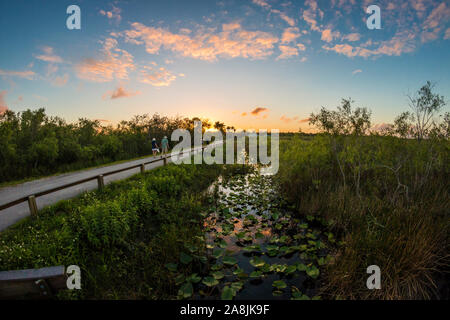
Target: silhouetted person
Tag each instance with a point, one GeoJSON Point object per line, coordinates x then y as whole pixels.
{"type": "Point", "coordinates": [154, 147]}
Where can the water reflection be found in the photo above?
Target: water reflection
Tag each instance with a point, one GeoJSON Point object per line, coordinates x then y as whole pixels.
{"type": "Point", "coordinates": [244, 220]}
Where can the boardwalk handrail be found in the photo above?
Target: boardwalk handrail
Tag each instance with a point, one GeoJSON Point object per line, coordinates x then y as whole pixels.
{"type": "Point", "coordinates": [71, 184]}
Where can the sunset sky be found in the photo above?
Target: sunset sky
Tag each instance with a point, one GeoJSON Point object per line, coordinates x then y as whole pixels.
{"type": "Point", "coordinates": [249, 63]}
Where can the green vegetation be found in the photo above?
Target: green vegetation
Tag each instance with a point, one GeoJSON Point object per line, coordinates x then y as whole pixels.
{"type": "Point", "coordinates": [343, 200]}
{"type": "Point", "coordinates": [123, 238]}
{"type": "Point", "coordinates": [385, 195]}
{"type": "Point", "coordinates": [33, 144]}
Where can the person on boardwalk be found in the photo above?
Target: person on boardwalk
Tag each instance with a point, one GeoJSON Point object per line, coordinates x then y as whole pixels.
{"type": "Point", "coordinates": [165, 145]}
{"type": "Point", "coordinates": [154, 147]}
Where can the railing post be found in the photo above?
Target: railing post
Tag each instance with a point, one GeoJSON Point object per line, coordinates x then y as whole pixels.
{"type": "Point", "coordinates": [101, 182]}
{"type": "Point", "coordinates": [32, 205]}
{"type": "Point", "coordinates": [142, 168]}
{"type": "Point", "coordinates": [165, 160]}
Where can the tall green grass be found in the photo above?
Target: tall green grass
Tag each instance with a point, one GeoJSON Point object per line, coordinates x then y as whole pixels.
{"type": "Point", "coordinates": [387, 199]}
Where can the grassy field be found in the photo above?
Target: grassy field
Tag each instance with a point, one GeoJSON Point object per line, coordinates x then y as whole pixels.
{"type": "Point", "coordinates": [386, 198]}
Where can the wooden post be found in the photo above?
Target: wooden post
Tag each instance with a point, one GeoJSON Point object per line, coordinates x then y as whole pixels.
{"type": "Point", "coordinates": [142, 168]}
{"type": "Point", "coordinates": [165, 160]}
{"type": "Point", "coordinates": [32, 205]}
{"type": "Point", "coordinates": [101, 182]}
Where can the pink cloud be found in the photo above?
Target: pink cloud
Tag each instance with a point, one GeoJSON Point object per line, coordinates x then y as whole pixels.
{"type": "Point", "coordinates": [115, 64]}
{"type": "Point", "coordinates": [3, 106]}
{"type": "Point", "coordinates": [119, 92]}
{"type": "Point", "coordinates": [431, 26]}
{"type": "Point", "coordinates": [447, 34]}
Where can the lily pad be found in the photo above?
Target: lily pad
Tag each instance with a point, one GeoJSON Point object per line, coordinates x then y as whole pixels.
{"type": "Point", "coordinates": [277, 293]}
{"type": "Point", "coordinates": [171, 266]}
{"type": "Point", "coordinates": [210, 281]}
{"type": "Point", "coordinates": [313, 272]}
{"type": "Point", "coordinates": [279, 284]}
{"type": "Point", "coordinates": [186, 290]}
{"type": "Point", "coordinates": [218, 275]}
{"type": "Point", "coordinates": [194, 278]}
{"type": "Point", "coordinates": [227, 293]}
{"type": "Point", "coordinates": [291, 269]}
{"type": "Point", "coordinates": [301, 267]}
{"type": "Point", "coordinates": [257, 262]}
{"type": "Point", "coordinates": [185, 258]}
{"type": "Point", "coordinates": [229, 260]}
{"type": "Point", "coordinates": [256, 274]}
{"type": "Point", "coordinates": [259, 235]}
{"type": "Point", "coordinates": [217, 253]}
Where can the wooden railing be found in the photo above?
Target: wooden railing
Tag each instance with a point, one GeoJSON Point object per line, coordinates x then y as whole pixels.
{"type": "Point", "coordinates": [44, 282]}
{"type": "Point", "coordinates": [31, 198]}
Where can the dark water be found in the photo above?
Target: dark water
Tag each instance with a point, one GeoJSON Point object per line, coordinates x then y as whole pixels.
{"type": "Point", "coordinates": [246, 214]}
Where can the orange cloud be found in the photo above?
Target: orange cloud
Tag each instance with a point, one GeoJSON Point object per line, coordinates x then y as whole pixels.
{"type": "Point", "coordinates": [285, 119]}
{"type": "Point", "coordinates": [287, 52]}
{"type": "Point", "coordinates": [402, 42]}
{"type": "Point", "coordinates": [431, 27]}
{"type": "Point", "coordinates": [290, 35]}
{"type": "Point", "coordinates": [119, 92]}
{"type": "Point", "coordinates": [61, 81]}
{"type": "Point", "coordinates": [290, 21]}
{"type": "Point", "coordinates": [310, 14]}
{"type": "Point", "coordinates": [49, 55]}
{"type": "Point", "coordinates": [21, 74]}
{"type": "Point", "coordinates": [261, 3]}
{"type": "Point", "coordinates": [231, 42]}
{"type": "Point", "coordinates": [157, 77]}
{"type": "Point", "coordinates": [352, 37]}
{"type": "Point", "coordinates": [258, 110]}
{"type": "Point", "coordinates": [327, 35]}
{"type": "Point", "coordinates": [113, 14]}
{"type": "Point", "coordinates": [301, 47]}
{"type": "Point", "coordinates": [114, 64]}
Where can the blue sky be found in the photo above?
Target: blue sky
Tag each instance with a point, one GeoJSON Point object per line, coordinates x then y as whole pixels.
{"type": "Point", "coordinates": [220, 59]}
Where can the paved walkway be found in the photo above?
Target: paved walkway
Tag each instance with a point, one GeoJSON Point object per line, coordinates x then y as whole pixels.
{"type": "Point", "coordinates": [16, 213]}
